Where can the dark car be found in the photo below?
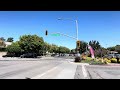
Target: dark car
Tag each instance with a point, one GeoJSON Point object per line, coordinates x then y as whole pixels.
{"type": "Point", "coordinates": [53, 55]}
{"type": "Point", "coordinates": [29, 55]}
{"type": "Point", "coordinates": [9, 55]}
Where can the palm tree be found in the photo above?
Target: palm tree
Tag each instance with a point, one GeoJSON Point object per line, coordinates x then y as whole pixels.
{"type": "Point", "coordinates": [95, 44]}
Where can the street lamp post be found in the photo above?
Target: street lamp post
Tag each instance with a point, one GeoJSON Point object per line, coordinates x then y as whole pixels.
{"type": "Point", "coordinates": [76, 29]}
{"type": "Point", "coordinates": [76, 25]}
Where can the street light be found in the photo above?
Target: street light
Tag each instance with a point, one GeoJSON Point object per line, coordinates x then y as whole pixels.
{"type": "Point", "coordinates": [76, 29]}
{"type": "Point", "coordinates": [76, 25]}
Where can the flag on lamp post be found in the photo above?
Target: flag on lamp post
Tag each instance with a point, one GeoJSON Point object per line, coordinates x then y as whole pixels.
{"type": "Point", "coordinates": [91, 51]}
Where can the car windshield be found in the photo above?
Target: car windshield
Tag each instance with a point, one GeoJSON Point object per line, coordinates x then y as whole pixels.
{"type": "Point", "coordinates": [41, 44]}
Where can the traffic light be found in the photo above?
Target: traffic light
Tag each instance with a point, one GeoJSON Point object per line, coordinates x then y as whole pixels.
{"type": "Point", "coordinates": [78, 44]}
{"type": "Point", "coordinates": [46, 33]}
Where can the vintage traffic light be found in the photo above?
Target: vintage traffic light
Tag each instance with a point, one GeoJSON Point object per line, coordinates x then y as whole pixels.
{"type": "Point", "coordinates": [46, 32]}
{"type": "Point", "coordinates": [78, 44]}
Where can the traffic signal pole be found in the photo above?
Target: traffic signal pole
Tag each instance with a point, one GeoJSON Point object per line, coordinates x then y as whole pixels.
{"type": "Point", "coordinates": [77, 42]}
{"type": "Point", "coordinates": [77, 47]}
{"type": "Point", "coordinates": [75, 38]}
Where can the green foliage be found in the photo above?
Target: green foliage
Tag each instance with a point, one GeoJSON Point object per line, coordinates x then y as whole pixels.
{"type": "Point", "coordinates": [117, 48]}
{"type": "Point", "coordinates": [64, 49]}
{"type": "Point", "coordinates": [113, 60]}
{"type": "Point", "coordinates": [31, 43]}
{"type": "Point", "coordinates": [2, 49]}
{"type": "Point", "coordinates": [2, 38]}
{"type": "Point", "coordinates": [95, 62]}
{"type": "Point", "coordinates": [95, 44]}
{"type": "Point", "coordinates": [111, 48]}
{"type": "Point", "coordinates": [88, 58]}
{"type": "Point", "coordinates": [14, 48]}
{"type": "Point", "coordinates": [83, 46]}
{"type": "Point", "coordinates": [10, 39]}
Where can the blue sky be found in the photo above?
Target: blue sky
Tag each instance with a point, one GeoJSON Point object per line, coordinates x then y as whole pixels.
{"type": "Point", "coordinates": [103, 26]}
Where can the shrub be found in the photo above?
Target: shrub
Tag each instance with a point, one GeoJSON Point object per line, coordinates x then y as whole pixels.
{"type": "Point", "coordinates": [14, 48]}
{"type": "Point", "coordinates": [77, 59]}
{"type": "Point", "coordinates": [113, 60]}
{"type": "Point", "coordinates": [106, 60]}
{"type": "Point", "coordinates": [88, 58]}
{"type": "Point", "coordinates": [109, 61]}
{"type": "Point", "coordinates": [94, 62]}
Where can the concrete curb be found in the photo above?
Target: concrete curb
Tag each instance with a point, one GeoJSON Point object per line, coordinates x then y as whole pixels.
{"type": "Point", "coordinates": [24, 59]}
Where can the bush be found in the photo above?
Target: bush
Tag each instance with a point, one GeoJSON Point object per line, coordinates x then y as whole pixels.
{"type": "Point", "coordinates": [113, 60]}
{"type": "Point", "coordinates": [14, 48]}
{"type": "Point", "coordinates": [106, 60]}
{"type": "Point", "coordinates": [94, 62]}
{"type": "Point", "coordinates": [77, 59]}
{"type": "Point", "coordinates": [109, 61]}
{"type": "Point", "coordinates": [88, 58]}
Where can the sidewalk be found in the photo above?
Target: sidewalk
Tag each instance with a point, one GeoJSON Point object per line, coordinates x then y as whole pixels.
{"type": "Point", "coordinates": [113, 64]}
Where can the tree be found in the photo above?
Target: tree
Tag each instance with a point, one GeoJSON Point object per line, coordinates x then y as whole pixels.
{"type": "Point", "coordinates": [2, 38]}
{"type": "Point", "coordinates": [83, 46]}
{"type": "Point", "coordinates": [101, 52]}
{"type": "Point", "coordinates": [14, 48]}
{"type": "Point", "coordinates": [64, 49]}
{"type": "Point", "coordinates": [72, 51]}
{"type": "Point", "coordinates": [31, 44]}
{"type": "Point", "coordinates": [117, 48]}
{"type": "Point", "coordinates": [111, 48]}
{"type": "Point", "coordinates": [10, 39]}
{"type": "Point", "coordinates": [95, 44]}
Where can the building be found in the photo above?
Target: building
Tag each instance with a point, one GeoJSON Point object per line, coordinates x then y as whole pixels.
{"type": "Point", "coordinates": [3, 45]}
{"type": "Point", "coordinates": [113, 52]}
{"type": "Point", "coordinates": [7, 43]}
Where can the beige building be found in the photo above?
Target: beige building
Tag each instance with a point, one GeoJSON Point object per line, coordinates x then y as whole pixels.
{"type": "Point", "coordinates": [4, 45]}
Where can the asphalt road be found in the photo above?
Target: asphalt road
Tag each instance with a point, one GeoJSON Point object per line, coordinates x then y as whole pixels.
{"type": "Point", "coordinates": [103, 72]}
{"type": "Point", "coordinates": [55, 68]}
{"type": "Point", "coordinates": [37, 69]}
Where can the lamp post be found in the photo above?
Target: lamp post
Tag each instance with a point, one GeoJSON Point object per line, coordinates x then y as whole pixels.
{"type": "Point", "coordinates": [76, 30]}
{"type": "Point", "coordinates": [76, 21]}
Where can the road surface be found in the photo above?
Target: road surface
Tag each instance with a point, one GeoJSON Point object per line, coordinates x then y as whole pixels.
{"type": "Point", "coordinates": [55, 68]}
{"type": "Point", "coordinates": [37, 69]}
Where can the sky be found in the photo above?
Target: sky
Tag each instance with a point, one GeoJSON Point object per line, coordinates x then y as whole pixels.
{"type": "Point", "coordinates": [103, 26]}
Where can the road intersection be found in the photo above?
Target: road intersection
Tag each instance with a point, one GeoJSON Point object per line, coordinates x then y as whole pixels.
{"type": "Point", "coordinates": [55, 68]}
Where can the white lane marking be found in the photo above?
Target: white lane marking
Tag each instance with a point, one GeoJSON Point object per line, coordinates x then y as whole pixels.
{"type": "Point", "coordinates": [38, 76]}
{"type": "Point", "coordinates": [84, 71]}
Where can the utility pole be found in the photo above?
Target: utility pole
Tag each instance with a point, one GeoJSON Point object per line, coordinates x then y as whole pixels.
{"type": "Point", "coordinates": [77, 40]}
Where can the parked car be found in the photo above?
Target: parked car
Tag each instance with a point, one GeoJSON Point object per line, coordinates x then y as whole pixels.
{"type": "Point", "coordinates": [109, 56]}
{"type": "Point", "coordinates": [53, 55]}
{"type": "Point", "coordinates": [29, 55]}
{"type": "Point", "coordinates": [9, 55]}
{"type": "Point", "coordinates": [117, 56]}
